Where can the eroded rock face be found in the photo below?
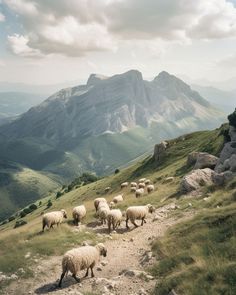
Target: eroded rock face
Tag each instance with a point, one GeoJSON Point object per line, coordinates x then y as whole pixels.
{"type": "Point", "coordinates": [159, 150]}
{"type": "Point", "coordinates": [205, 160]}
{"type": "Point", "coordinates": [192, 158]}
{"type": "Point", "coordinates": [196, 179]}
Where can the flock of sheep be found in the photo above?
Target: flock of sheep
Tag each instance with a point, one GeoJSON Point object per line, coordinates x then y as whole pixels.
{"type": "Point", "coordinates": [86, 257]}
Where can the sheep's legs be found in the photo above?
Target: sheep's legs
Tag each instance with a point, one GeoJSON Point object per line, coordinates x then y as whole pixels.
{"type": "Point", "coordinates": [62, 276]}
{"type": "Point", "coordinates": [143, 221]}
{"type": "Point", "coordinates": [86, 273]}
{"type": "Point", "coordinates": [127, 223]}
{"type": "Point", "coordinates": [135, 224]}
{"type": "Point", "coordinates": [92, 274]}
{"type": "Point", "coordinates": [75, 277]}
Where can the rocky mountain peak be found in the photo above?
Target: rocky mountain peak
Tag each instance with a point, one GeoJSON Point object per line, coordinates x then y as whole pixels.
{"type": "Point", "coordinates": [95, 79]}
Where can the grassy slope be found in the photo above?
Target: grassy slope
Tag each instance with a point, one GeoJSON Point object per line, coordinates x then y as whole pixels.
{"type": "Point", "coordinates": [25, 239]}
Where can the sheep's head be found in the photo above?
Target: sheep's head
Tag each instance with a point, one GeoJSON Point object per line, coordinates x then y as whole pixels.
{"type": "Point", "coordinates": [102, 249]}
{"type": "Point", "coordinates": [64, 213]}
{"type": "Point", "coordinates": [151, 208]}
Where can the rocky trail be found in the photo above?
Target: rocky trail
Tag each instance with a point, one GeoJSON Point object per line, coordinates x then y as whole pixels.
{"type": "Point", "coordinates": [123, 271]}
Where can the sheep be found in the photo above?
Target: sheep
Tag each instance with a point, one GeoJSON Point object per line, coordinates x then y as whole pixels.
{"type": "Point", "coordinates": [139, 192]}
{"type": "Point", "coordinates": [114, 218]}
{"type": "Point", "coordinates": [118, 199]}
{"type": "Point", "coordinates": [107, 189]}
{"type": "Point", "coordinates": [112, 205]}
{"type": "Point", "coordinates": [97, 201]}
{"type": "Point", "coordinates": [138, 212]}
{"type": "Point", "coordinates": [81, 258]}
{"type": "Point", "coordinates": [150, 188]}
{"type": "Point", "coordinates": [78, 214]}
{"type": "Point", "coordinates": [124, 184]}
{"type": "Point", "coordinates": [51, 218]}
{"type": "Point", "coordinates": [141, 185]}
{"type": "Point", "coordinates": [142, 180]}
{"type": "Point", "coordinates": [133, 184]}
{"type": "Point", "coordinates": [147, 181]}
{"type": "Point", "coordinates": [103, 210]}
{"type": "Point", "coordinates": [133, 189]}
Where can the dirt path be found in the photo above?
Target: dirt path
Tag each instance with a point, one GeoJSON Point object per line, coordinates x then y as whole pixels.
{"type": "Point", "coordinates": [126, 251]}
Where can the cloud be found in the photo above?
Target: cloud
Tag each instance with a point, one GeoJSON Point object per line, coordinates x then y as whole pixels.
{"type": "Point", "coordinates": [74, 28]}
{"type": "Point", "coordinates": [19, 46]}
{"type": "Point", "coordinates": [228, 62]}
{"type": "Point", "coordinates": [2, 17]}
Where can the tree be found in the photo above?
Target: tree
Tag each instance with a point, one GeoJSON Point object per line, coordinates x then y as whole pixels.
{"type": "Point", "coordinates": [49, 204]}
{"type": "Point", "coordinates": [117, 171]}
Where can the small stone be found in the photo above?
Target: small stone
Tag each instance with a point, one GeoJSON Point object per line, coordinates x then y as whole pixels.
{"type": "Point", "coordinates": [104, 262]}
{"type": "Point", "coordinates": [190, 204]}
{"type": "Point", "coordinates": [85, 243]}
{"type": "Point", "coordinates": [27, 255]}
{"type": "Point", "coordinates": [14, 277]}
{"type": "Point", "coordinates": [149, 277]}
{"type": "Point", "coordinates": [111, 238]}
{"type": "Point", "coordinates": [21, 270]}
{"type": "Point", "coordinates": [99, 268]}
{"type": "Point", "coordinates": [124, 240]}
{"type": "Point", "coordinates": [142, 292]}
{"type": "Point", "coordinates": [131, 239]}
{"type": "Point", "coordinates": [114, 232]}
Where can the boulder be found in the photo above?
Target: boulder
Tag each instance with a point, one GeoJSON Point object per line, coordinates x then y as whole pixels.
{"type": "Point", "coordinates": [232, 163]}
{"type": "Point", "coordinates": [197, 178]}
{"type": "Point", "coordinates": [228, 150]}
{"type": "Point", "coordinates": [205, 160]}
{"type": "Point", "coordinates": [192, 158]}
{"type": "Point", "coordinates": [159, 150]}
{"type": "Point", "coordinates": [232, 133]}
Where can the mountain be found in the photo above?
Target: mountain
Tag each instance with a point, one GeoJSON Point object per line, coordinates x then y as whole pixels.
{"type": "Point", "coordinates": [13, 104]}
{"type": "Point", "coordinates": [225, 100]}
{"type": "Point", "coordinates": [105, 123]}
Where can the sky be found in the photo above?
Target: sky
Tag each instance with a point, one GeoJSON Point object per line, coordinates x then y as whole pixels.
{"type": "Point", "coordinates": [55, 41]}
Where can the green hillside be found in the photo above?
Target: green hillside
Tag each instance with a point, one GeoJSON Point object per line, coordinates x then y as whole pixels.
{"type": "Point", "coordinates": [192, 257]}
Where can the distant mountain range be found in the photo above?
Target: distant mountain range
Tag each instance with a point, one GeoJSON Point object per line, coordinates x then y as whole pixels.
{"type": "Point", "coordinates": [104, 124]}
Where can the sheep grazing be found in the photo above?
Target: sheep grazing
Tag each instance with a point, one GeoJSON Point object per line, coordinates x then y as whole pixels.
{"type": "Point", "coordinates": [107, 189]}
{"type": "Point", "coordinates": [97, 201]}
{"type": "Point", "coordinates": [138, 212]}
{"type": "Point", "coordinates": [124, 184]}
{"type": "Point", "coordinates": [139, 192]}
{"type": "Point", "coordinates": [147, 181]}
{"type": "Point", "coordinates": [133, 184]}
{"type": "Point", "coordinates": [133, 189]}
{"type": "Point", "coordinates": [150, 188]}
{"type": "Point", "coordinates": [81, 258]}
{"type": "Point", "coordinates": [112, 205]}
{"type": "Point", "coordinates": [52, 218]}
{"type": "Point", "coordinates": [114, 219]}
{"type": "Point", "coordinates": [142, 180]}
{"type": "Point", "coordinates": [78, 214]}
{"type": "Point", "coordinates": [103, 210]}
{"type": "Point", "coordinates": [118, 199]}
{"type": "Point", "coordinates": [141, 185]}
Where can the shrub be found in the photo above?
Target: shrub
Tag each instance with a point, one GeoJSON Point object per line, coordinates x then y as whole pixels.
{"type": "Point", "coordinates": [11, 218]}
{"type": "Point", "coordinates": [117, 171]}
{"type": "Point", "coordinates": [33, 207]}
{"type": "Point", "coordinates": [27, 210]}
{"type": "Point", "coordinates": [232, 119]}
{"type": "Point", "coordinates": [49, 204]}
{"type": "Point", "coordinates": [22, 214]}
{"type": "Point", "coordinates": [58, 194]}
{"type": "Point", "coordinates": [20, 223]}
{"type": "Point", "coordinates": [40, 203]}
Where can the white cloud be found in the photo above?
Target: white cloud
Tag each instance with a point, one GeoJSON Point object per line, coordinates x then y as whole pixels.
{"type": "Point", "coordinates": [19, 46]}
{"type": "Point", "coordinates": [74, 27]}
{"type": "Point", "coordinates": [2, 17]}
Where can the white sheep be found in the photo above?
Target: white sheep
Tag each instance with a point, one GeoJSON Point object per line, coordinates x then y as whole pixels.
{"type": "Point", "coordinates": [103, 210]}
{"type": "Point", "coordinates": [81, 258]}
{"type": "Point", "coordinates": [133, 184]}
{"type": "Point", "coordinates": [139, 192]}
{"type": "Point", "coordinates": [138, 212]}
{"type": "Point", "coordinates": [55, 217]}
{"type": "Point", "coordinates": [133, 189]}
{"type": "Point", "coordinates": [141, 185]}
{"type": "Point", "coordinates": [97, 201]}
{"type": "Point", "coordinates": [112, 205]}
{"type": "Point", "coordinates": [114, 218]}
{"type": "Point", "coordinates": [147, 181]}
{"type": "Point", "coordinates": [118, 198]}
{"type": "Point", "coordinates": [107, 189]}
{"type": "Point", "coordinates": [142, 180]}
{"type": "Point", "coordinates": [124, 184]}
{"type": "Point", "coordinates": [78, 213]}
{"type": "Point", "coordinates": [150, 188]}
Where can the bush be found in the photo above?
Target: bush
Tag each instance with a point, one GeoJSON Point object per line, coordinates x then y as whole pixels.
{"type": "Point", "coordinates": [117, 171]}
{"type": "Point", "coordinates": [58, 194]}
{"type": "Point", "coordinates": [20, 223]}
{"type": "Point", "coordinates": [22, 214]}
{"type": "Point", "coordinates": [27, 210]}
{"type": "Point", "coordinates": [232, 119]}
{"type": "Point", "coordinates": [11, 218]}
{"type": "Point", "coordinates": [40, 203]}
{"type": "Point", "coordinates": [49, 204]}
{"type": "Point", "coordinates": [33, 207]}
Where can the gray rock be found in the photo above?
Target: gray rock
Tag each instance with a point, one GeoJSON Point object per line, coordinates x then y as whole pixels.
{"type": "Point", "coordinates": [232, 133]}
{"type": "Point", "coordinates": [159, 150]}
{"type": "Point", "coordinates": [228, 175]}
{"type": "Point", "coordinates": [218, 178]}
{"type": "Point", "coordinates": [205, 160]}
{"type": "Point", "coordinates": [192, 158]}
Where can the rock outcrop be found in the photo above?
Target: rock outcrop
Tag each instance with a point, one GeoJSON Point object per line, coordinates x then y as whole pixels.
{"type": "Point", "coordinates": [159, 151]}
{"type": "Point", "coordinates": [205, 160]}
